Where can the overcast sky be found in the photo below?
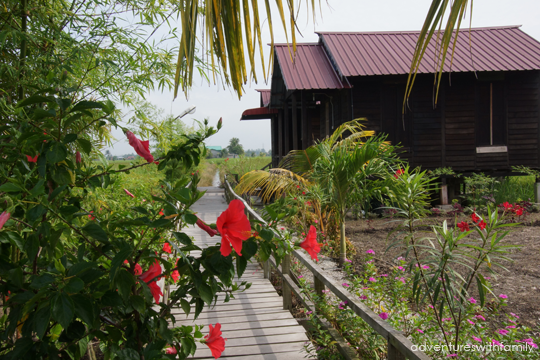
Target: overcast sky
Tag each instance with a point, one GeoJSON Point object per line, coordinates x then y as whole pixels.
{"type": "Point", "coordinates": [213, 102]}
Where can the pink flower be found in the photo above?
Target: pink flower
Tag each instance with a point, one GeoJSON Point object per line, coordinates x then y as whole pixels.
{"type": "Point", "coordinates": [127, 192]}
{"type": "Point", "coordinates": [514, 315]}
{"type": "Point", "coordinates": [472, 300]}
{"type": "Point", "coordinates": [3, 218]}
{"type": "Point", "coordinates": [78, 157]}
{"type": "Point", "coordinates": [452, 355]}
{"type": "Point", "coordinates": [383, 316]}
{"type": "Point", "coordinates": [510, 327]}
{"type": "Point", "coordinates": [401, 268]}
{"type": "Point", "coordinates": [171, 351]}
{"type": "Point", "coordinates": [425, 267]}
{"type": "Point", "coordinates": [142, 148]}
{"type": "Point", "coordinates": [477, 339]}
{"type": "Point", "coordinates": [502, 296]}
{"type": "Point", "coordinates": [470, 322]}
{"type": "Point", "coordinates": [362, 297]}
{"type": "Point", "coordinates": [372, 279]}
{"type": "Point", "coordinates": [480, 317]}
{"type": "Point", "coordinates": [530, 342]}
{"type": "Point", "coordinates": [420, 331]}
{"type": "Point", "coordinates": [495, 342]}
{"type": "Point", "coordinates": [503, 332]}
{"type": "Point", "coordinates": [370, 251]}
{"type": "Point", "coordinates": [345, 284]}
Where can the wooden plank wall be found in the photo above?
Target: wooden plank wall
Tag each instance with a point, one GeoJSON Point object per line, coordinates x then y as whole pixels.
{"type": "Point", "coordinates": [523, 114]}
{"type": "Point", "coordinates": [367, 103]}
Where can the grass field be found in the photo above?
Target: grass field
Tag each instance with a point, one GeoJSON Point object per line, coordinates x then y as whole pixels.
{"type": "Point", "coordinates": [514, 189]}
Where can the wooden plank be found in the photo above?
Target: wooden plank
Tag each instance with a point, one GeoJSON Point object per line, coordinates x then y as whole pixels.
{"type": "Point", "coordinates": [264, 331]}
{"type": "Point", "coordinates": [242, 306]}
{"type": "Point", "coordinates": [294, 355]}
{"type": "Point", "coordinates": [240, 316]}
{"type": "Point", "coordinates": [253, 350]}
{"type": "Point", "coordinates": [250, 324]}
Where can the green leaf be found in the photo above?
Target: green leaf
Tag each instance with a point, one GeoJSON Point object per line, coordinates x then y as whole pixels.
{"type": "Point", "coordinates": [111, 298]}
{"type": "Point", "coordinates": [190, 218]}
{"type": "Point", "coordinates": [124, 281]}
{"type": "Point", "coordinates": [183, 238]}
{"type": "Point", "coordinates": [63, 176]}
{"type": "Point", "coordinates": [74, 286]}
{"type": "Point", "coordinates": [35, 99]}
{"type": "Point", "coordinates": [57, 191]}
{"type": "Point", "coordinates": [10, 187]}
{"type": "Point", "coordinates": [138, 303]}
{"type": "Point", "coordinates": [68, 210]}
{"type": "Point", "coordinates": [56, 153]}
{"type": "Point", "coordinates": [41, 321]}
{"type": "Point", "coordinates": [85, 145]}
{"type": "Point", "coordinates": [267, 234]}
{"type": "Point", "coordinates": [119, 259]}
{"type": "Point", "coordinates": [160, 223]}
{"type": "Point", "coordinates": [241, 264]}
{"type": "Point", "coordinates": [84, 309]}
{"type": "Point", "coordinates": [70, 138]}
{"type": "Point", "coordinates": [206, 293]}
{"type": "Point", "coordinates": [127, 354]}
{"type": "Point", "coordinates": [41, 281]}
{"type": "Point", "coordinates": [85, 105]}
{"type": "Point", "coordinates": [185, 306]}
{"type": "Point", "coordinates": [39, 188]}
{"type": "Point", "coordinates": [249, 248]}
{"type": "Point", "coordinates": [63, 309]}
{"type": "Point", "coordinates": [16, 277]}
{"type": "Point", "coordinates": [95, 231]}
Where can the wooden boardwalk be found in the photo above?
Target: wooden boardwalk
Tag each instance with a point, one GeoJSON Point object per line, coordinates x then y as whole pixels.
{"type": "Point", "coordinates": [254, 323]}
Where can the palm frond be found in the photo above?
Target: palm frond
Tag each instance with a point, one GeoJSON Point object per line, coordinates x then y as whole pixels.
{"type": "Point", "coordinates": [269, 184]}
{"type": "Point", "coordinates": [227, 25]}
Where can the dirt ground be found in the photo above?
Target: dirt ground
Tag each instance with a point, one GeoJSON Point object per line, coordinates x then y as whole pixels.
{"type": "Point", "coordinates": [521, 282]}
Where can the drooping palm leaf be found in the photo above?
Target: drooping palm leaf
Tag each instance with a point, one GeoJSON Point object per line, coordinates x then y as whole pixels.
{"type": "Point", "coordinates": [269, 184]}
{"type": "Point", "coordinates": [433, 26]}
{"type": "Point", "coordinates": [227, 27]}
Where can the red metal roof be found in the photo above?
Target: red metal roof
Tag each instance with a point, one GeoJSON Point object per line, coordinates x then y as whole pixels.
{"type": "Point", "coordinates": [311, 68]}
{"type": "Point", "coordinates": [386, 53]}
{"type": "Point", "coordinates": [265, 96]}
{"type": "Point", "coordinates": [258, 113]}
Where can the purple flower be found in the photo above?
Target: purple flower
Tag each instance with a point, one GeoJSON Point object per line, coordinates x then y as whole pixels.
{"type": "Point", "coordinates": [370, 251]}
{"type": "Point", "coordinates": [362, 297]}
{"type": "Point", "coordinates": [502, 296]}
{"type": "Point", "coordinates": [383, 316]}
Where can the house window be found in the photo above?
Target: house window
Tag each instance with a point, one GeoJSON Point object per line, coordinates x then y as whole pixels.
{"type": "Point", "coordinates": [491, 119]}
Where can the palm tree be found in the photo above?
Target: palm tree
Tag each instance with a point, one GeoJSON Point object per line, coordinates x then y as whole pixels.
{"type": "Point", "coordinates": [228, 25]}
{"type": "Point", "coordinates": [336, 165]}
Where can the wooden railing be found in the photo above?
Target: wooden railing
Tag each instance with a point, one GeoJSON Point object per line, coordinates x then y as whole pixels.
{"type": "Point", "coordinates": [399, 347]}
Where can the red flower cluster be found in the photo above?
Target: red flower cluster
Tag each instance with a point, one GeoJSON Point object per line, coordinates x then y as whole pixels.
{"type": "Point", "coordinates": [167, 247]}
{"type": "Point", "coordinates": [399, 173]}
{"type": "Point", "coordinates": [516, 208]}
{"type": "Point", "coordinates": [463, 226]}
{"type": "Point", "coordinates": [234, 227]}
{"type": "Point", "coordinates": [90, 216]}
{"type": "Point", "coordinates": [310, 244]}
{"type": "Point", "coordinates": [475, 218]}
{"type": "Point", "coordinates": [142, 148]}
{"type": "Point", "coordinates": [215, 341]}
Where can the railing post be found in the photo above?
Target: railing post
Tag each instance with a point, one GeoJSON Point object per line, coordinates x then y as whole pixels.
{"type": "Point", "coordinates": [393, 353]}
{"type": "Point", "coordinates": [319, 286]}
{"type": "Point", "coordinates": [266, 269]}
{"type": "Point", "coordinates": [287, 292]}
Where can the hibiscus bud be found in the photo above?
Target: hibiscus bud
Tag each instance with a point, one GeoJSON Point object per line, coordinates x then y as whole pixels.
{"type": "Point", "coordinates": [130, 194]}
{"type": "Point", "coordinates": [78, 157]}
{"type": "Point", "coordinates": [219, 123]}
{"type": "Point", "coordinates": [4, 217]}
{"type": "Point", "coordinates": [206, 228]}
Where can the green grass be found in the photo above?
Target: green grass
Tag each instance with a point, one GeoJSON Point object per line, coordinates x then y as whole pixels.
{"type": "Point", "coordinates": [242, 165]}
{"type": "Point", "coordinates": [514, 189]}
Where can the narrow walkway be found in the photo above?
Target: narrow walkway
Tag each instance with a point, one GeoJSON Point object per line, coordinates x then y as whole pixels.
{"type": "Point", "coordinates": [254, 323]}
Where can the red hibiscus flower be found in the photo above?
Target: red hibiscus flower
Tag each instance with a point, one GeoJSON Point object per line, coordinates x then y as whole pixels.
{"type": "Point", "coordinates": [138, 269]}
{"type": "Point", "coordinates": [482, 225]}
{"type": "Point", "coordinates": [206, 228]}
{"type": "Point", "coordinates": [130, 194]}
{"type": "Point", "coordinates": [310, 244]}
{"type": "Point", "coordinates": [78, 157]}
{"type": "Point", "coordinates": [90, 216]}
{"type": "Point", "coordinates": [32, 159]}
{"type": "Point", "coordinates": [234, 227]}
{"type": "Point", "coordinates": [150, 278]}
{"type": "Point", "coordinates": [167, 247]}
{"type": "Point", "coordinates": [171, 351]}
{"type": "Point", "coordinates": [215, 341]}
{"type": "Point", "coordinates": [519, 211]}
{"type": "Point", "coordinates": [398, 173]}
{"type": "Point", "coordinates": [3, 218]}
{"type": "Point", "coordinates": [175, 274]}
{"type": "Point", "coordinates": [474, 217]}
{"type": "Point", "coordinates": [142, 148]}
{"type": "Point", "coordinates": [463, 226]}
